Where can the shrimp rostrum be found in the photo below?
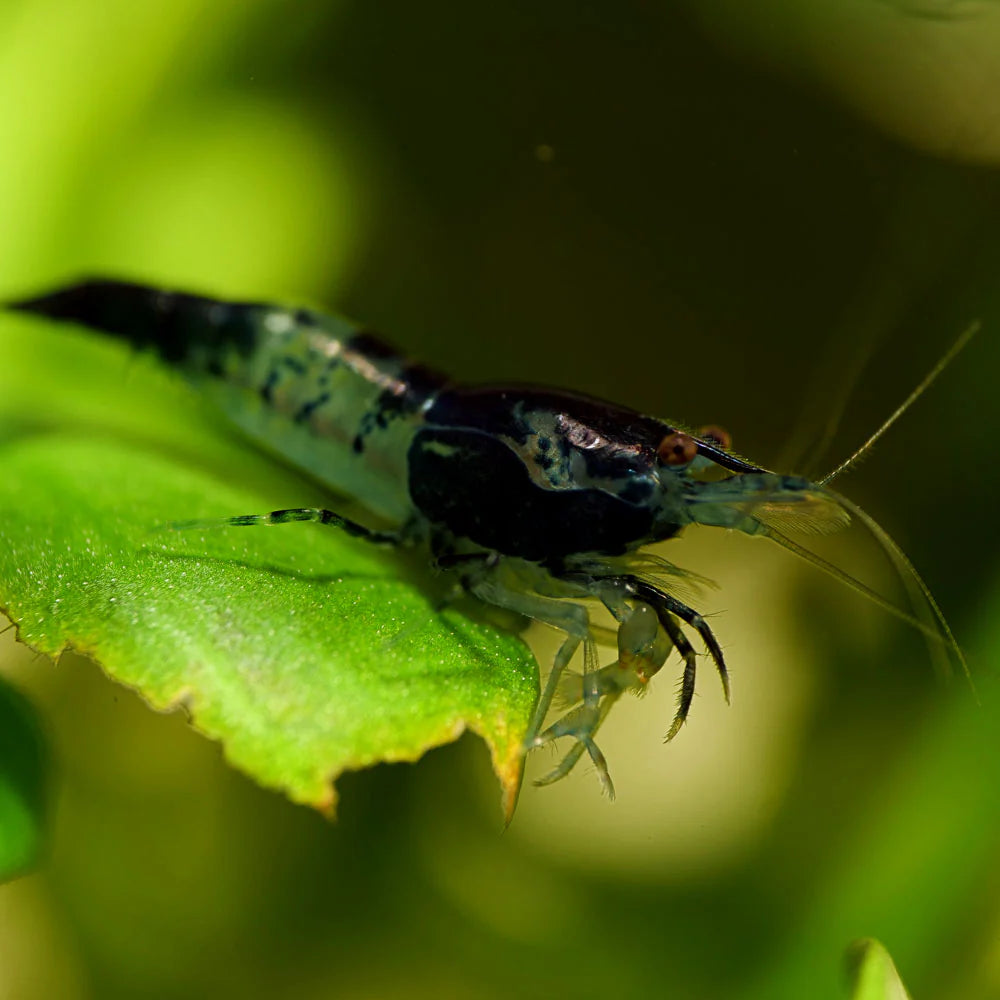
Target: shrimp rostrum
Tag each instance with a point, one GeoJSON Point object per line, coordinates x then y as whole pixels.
{"type": "Point", "coordinates": [539, 501]}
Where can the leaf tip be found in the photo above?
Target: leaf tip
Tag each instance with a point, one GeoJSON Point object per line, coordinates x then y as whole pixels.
{"type": "Point", "coordinates": [872, 973]}
{"type": "Point", "coordinates": [510, 771]}
{"type": "Point", "coordinates": [326, 805]}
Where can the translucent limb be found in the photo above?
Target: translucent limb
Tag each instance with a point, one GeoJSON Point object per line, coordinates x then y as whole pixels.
{"type": "Point", "coordinates": [569, 617]}
{"type": "Point", "coordinates": [642, 651]}
{"type": "Point", "coordinates": [581, 724]}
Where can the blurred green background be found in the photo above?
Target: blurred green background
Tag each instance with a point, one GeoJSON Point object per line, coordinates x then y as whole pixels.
{"type": "Point", "coordinates": [711, 211]}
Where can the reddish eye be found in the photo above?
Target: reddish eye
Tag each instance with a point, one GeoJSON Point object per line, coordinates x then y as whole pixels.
{"type": "Point", "coordinates": [717, 435]}
{"type": "Point", "coordinates": [677, 449]}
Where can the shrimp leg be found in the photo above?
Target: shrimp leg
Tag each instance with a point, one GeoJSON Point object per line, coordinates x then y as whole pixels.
{"type": "Point", "coordinates": [642, 650]}
{"type": "Point", "coordinates": [318, 515]}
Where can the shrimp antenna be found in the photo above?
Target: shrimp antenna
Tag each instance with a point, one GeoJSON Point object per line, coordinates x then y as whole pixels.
{"type": "Point", "coordinates": [926, 629]}
{"type": "Point", "coordinates": [931, 623]}
{"type": "Point", "coordinates": [970, 331]}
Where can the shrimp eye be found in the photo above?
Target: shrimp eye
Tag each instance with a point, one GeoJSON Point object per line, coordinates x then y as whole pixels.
{"type": "Point", "coordinates": [677, 449]}
{"type": "Point", "coordinates": [717, 435]}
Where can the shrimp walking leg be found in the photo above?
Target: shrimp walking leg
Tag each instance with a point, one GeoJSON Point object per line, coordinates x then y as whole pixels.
{"type": "Point", "coordinates": [317, 515]}
{"type": "Point", "coordinates": [642, 650]}
{"type": "Point", "coordinates": [669, 608]}
{"type": "Point", "coordinates": [686, 694]}
{"type": "Point", "coordinates": [567, 616]}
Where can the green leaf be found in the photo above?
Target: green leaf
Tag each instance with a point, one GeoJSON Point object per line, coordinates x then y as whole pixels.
{"type": "Point", "coordinates": [22, 784]}
{"type": "Point", "coordinates": [872, 973]}
{"type": "Point", "coordinates": [304, 651]}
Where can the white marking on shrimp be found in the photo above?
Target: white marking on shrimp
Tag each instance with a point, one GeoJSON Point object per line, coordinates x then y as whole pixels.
{"type": "Point", "coordinates": [279, 322]}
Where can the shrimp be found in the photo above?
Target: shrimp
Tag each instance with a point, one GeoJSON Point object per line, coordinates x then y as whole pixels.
{"type": "Point", "coordinates": [539, 501]}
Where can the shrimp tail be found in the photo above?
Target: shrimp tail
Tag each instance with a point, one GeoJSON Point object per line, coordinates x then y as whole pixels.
{"type": "Point", "coordinates": [176, 325]}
